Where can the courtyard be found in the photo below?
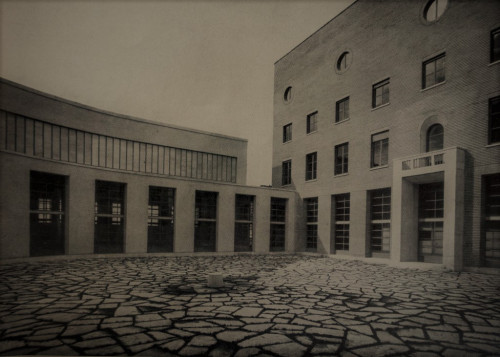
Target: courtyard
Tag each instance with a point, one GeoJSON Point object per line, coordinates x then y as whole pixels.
{"type": "Point", "coordinates": [270, 305]}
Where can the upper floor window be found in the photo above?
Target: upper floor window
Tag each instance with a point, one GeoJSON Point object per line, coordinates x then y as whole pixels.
{"type": "Point", "coordinates": [494, 120]}
{"type": "Point", "coordinates": [311, 166]}
{"type": "Point", "coordinates": [434, 9]}
{"type": "Point", "coordinates": [380, 93]}
{"type": "Point", "coordinates": [287, 96]}
{"type": "Point", "coordinates": [495, 45]}
{"type": "Point", "coordinates": [343, 62]}
{"type": "Point", "coordinates": [287, 133]}
{"type": "Point", "coordinates": [342, 110]}
{"type": "Point", "coordinates": [312, 122]}
{"type": "Point", "coordinates": [434, 140]}
{"type": "Point", "coordinates": [380, 149]}
{"type": "Point", "coordinates": [286, 172]}
{"type": "Point", "coordinates": [433, 71]}
{"type": "Point", "coordinates": [341, 159]}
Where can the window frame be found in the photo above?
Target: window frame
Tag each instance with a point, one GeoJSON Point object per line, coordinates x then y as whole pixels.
{"type": "Point", "coordinates": [381, 85]}
{"type": "Point", "coordinates": [311, 166]}
{"type": "Point", "coordinates": [380, 150]}
{"type": "Point", "coordinates": [341, 168]}
{"type": "Point", "coordinates": [494, 58]}
{"type": "Point", "coordinates": [311, 213]}
{"type": "Point", "coordinates": [286, 178]}
{"type": "Point", "coordinates": [287, 132]}
{"type": "Point", "coordinates": [342, 217]}
{"type": "Point", "coordinates": [312, 123]}
{"type": "Point", "coordinates": [342, 102]}
{"type": "Point", "coordinates": [434, 60]}
{"type": "Point", "coordinates": [430, 133]}
{"type": "Point", "coordinates": [491, 118]}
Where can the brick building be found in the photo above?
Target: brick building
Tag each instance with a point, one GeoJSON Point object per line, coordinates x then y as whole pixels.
{"type": "Point", "coordinates": [387, 125]}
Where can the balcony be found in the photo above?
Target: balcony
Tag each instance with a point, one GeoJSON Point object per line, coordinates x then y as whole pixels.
{"type": "Point", "coordinates": [428, 162]}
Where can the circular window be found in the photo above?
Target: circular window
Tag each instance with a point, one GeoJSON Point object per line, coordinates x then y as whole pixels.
{"type": "Point", "coordinates": [434, 9]}
{"type": "Point", "coordinates": [288, 94]}
{"type": "Point", "coordinates": [343, 62]}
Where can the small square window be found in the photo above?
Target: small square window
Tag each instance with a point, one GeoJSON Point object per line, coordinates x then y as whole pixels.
{"type": "Point", "coordinates": [287, 133]}
{"type": "Point", "coordinates": [380, 149]}
{"type": "Point", "coordinates": [286, 172]}
{"type": "Point", "coordinates": [433, 71]}
{"type": "Point", "coordinates": [495, 45]}
{"type": "Point", "coordinates": [494, 120]}
{"type": "Point", "coordinates": [380, 93]}
{"type": "Point", "coordinates": [311, 166]}
{"type": "Point", "coordinates": [312, 122]}
{"type": "Point", "coordinates": [341, 159]}
{"type": "Point", "coordinates": [342, 110]}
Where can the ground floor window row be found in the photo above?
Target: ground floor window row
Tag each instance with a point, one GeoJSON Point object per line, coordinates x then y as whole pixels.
{"type": "Point", "coordinates": [48, 209]}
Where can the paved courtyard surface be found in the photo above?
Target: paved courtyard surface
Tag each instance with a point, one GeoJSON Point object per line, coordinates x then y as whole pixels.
{"type": "Point", "coordinates": [270, 306]}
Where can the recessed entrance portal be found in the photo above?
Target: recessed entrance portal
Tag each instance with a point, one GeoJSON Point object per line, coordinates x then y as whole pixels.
{"type": "Point", "coordinates": [430, 222]}
{"type": "Point", "coordinates": [47, 212]}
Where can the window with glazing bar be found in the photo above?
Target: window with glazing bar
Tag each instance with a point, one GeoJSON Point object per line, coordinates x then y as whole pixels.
{"type": "Point", "coordinates": [342, 209]}
{"type": "Point", "coordinates": [433, 71]}
{"type": "Point", "coordinates": [311, 166]}
{"type": "Point", "coordinates": [380, 149]}
{"type": "Point", "coordinates": [286, 172]}
{"type": "Point", "coordinates": [312, 122]}
{"type": "Point", "coordinates": [341, 159]}
{"type": "Point", "coordinates": [278, 224]}
{"type": "Point", "coordinates": [380, 207]}
{"type": "Point", "coordinates": [380, 93]}
{"type": "Point", "coordinates": [342, 110]}
{"type": "Point", "coordinates": [287, 133]}
{"type": "Point", "coordinates": [311, 207]}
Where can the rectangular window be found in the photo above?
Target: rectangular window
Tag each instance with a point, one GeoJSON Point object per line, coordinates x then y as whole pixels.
{"type": "Point", "coordinates": [286, 172]}
{"type": "Point", "coordinates": [380, 93]}
{"type": "Point", "coordinates": [430, 222]}
{"type": "Point", "coordinates": [205, 222]}
{"type": "Point", "coordinates": [109, 219]}
{"type": "Point", "coordinates": [433, 71]}
{"type": "Point", "coordinates": [380, 207]}
{"type": "Point", "coordinates": [278, 224]}
{"type": "Point", "coordinates": [47, 212]}
{"type": "Point", "coordinates": [494, 120]}
{"type": "Point", "coordinates": [342, 213]}
{"type": "Point", "coordinates": [341, 159]}
{"type": "Point", "coordinates": [287, 133]}
{"type": "Point", "coordinates": [311, 207]}
{"type": "Point", "coordinates": [492, 220]}
{"type": "Point", "coordinates": [311, 166]}
{"type": "Point", "coordinates": [342, 110]}
{"type": "Point", "coordinates": [243, 226]}
{"type": "Point", "coordinates": [380, 149]}
{"type": "Point", "coordinates": [161, 219]}
{"type": "Point", "coordinates": [495, 45]}
{"type": "Point", "coordinates": [312, 122]}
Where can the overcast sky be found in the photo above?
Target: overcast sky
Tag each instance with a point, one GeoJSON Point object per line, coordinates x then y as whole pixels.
{"type": "Point", "coordinates": [202, 64]}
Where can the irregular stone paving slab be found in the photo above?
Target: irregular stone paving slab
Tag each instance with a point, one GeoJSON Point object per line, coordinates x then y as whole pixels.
{"type": "Point", "coordinates": [275, 305]}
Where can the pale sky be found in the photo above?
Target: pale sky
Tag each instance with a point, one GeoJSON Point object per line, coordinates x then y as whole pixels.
{"type": "Point", "coordinates": [202, 64]}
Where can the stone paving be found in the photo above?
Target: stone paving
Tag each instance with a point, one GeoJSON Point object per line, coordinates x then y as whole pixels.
{"type": "Point", "coordinates": [277, 305]}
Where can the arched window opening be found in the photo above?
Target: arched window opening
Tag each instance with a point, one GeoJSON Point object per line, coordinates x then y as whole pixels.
{"type": "Point", "coordinates": [435, 136]}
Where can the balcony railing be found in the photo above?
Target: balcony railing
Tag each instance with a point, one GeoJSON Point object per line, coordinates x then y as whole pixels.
{"type": "Point", "coordinates": [429, 159]}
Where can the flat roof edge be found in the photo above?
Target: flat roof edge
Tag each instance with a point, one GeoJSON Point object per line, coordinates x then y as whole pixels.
{"type": "Point", "coordinates": [117, 115]}
{"type": "Point", "coordinates": [315, 32]}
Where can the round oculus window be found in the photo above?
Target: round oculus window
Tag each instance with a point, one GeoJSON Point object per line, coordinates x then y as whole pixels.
{"type": "Point", "coordinates": [343, 62]}
{"type": "Point", "coordinates": [434, 9]}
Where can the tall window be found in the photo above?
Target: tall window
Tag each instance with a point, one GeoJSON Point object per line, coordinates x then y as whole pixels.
{"type": "Point", "coordinates": [342, 211]}
{"type": "Point", "coordinates": [380, 149]}
{"type": "Point", "coordinates": [161, 219]}
{"type": "Point", "coordinates": [494, 120]}
{"type": "Point", "coordinates": [380, 93]}
{"type": "Point", "coordinates": [311, 166]}
{"type": "Point", "coordinates": [109, 219]}
{"type": "Point", "coordinates": [311, 205]}
{"type": "Point", "coordinates": [287, 133]}
{"type": "Point", "coordinates": [434, 140]}
{"type": "Point", "coordinates": [341, 159]}
{"type": "Point", "coordinates": [433, 71]}
{"type": "Point", "coordinates": [286, 172]}
{"type": "Point", "coordinates": [205, 222]}
{"type": "Point", "coordinates": [380, 204]}
{"type": "Point", "coordinates": [47, 212]}
{"type": "Point", "coordinates": [430, 222]}
{"type": "Point", "coordinates": [243, 226]}
{"type": "Point", "coordinates": [278, 224]}
{"type": "Point", "coordinates": [492, 217]}
{"type": "Point", "coordinates": [495, 45]}
{"type": "Point", "coordinates": [312, 122]}
{"type": "Point", "coordinates": [342, 110]}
